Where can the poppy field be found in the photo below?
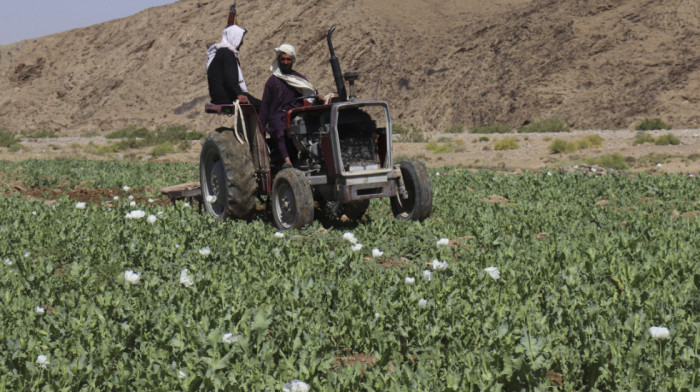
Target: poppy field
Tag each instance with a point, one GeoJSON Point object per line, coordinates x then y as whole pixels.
{"type": "Point", "coordinates": [538, 281]}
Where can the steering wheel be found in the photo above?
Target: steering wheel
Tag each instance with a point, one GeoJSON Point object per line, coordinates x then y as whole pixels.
{"type": "Point", "coordinates": [284, 105]}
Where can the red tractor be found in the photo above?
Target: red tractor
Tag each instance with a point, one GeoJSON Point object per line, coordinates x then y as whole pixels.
{"type": "Point", "coordinates": [343, 159]}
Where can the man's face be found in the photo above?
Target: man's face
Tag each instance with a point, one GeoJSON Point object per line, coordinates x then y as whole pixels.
{"type": "Point", "coordinates": [286, 62]}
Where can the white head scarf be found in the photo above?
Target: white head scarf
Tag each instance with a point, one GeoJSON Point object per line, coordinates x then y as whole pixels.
{"type": "Point", "coordinates": [231, 39]}
{"type": "Point", "coordinates": [302, 85]}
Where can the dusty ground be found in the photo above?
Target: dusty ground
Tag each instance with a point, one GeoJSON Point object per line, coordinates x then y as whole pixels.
{"type": "Point", "coordinates": [533, 153]}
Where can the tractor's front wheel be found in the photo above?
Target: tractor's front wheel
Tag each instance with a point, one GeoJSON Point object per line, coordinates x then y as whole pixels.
{"type": "Point", "coordinates": [292, 200]}
{"type": "Point", "coordinates": [227, 177]}
{"type": "Point", "coordinates": [419, 203]}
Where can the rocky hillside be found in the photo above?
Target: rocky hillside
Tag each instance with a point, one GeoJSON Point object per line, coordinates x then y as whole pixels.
{"type": "Point", "coordinates": [593, 63]}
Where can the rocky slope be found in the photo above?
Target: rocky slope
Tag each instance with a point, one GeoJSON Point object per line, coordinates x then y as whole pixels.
{"type": "Point", "coordinates": [593, 63]}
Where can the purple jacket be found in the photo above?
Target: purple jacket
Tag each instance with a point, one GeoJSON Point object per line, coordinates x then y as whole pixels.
{"type": "Point", "coordinates": [272, 115]}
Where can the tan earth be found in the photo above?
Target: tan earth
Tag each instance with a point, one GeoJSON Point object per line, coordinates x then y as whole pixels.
{"type": "Point", "coordinates": [533, 152]}
{"type": "Point", "coordinates": [596, 64]}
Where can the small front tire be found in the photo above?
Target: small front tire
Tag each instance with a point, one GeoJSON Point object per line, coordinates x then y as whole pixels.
{"type": "Point", "coordinates": [419, 203]}
{"type": "Point", "coordinates": [292, 200]}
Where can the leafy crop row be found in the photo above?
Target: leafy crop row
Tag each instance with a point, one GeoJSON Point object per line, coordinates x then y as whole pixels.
{"type": "Point", "coordinates": [585, 267]}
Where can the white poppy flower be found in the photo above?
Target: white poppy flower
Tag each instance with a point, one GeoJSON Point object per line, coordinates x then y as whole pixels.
{"type": "Point", "coordinates": [131, 197]}
{"type": "Point", "coordinates": [132, 204]}
{"type": "Point", "coordinates": [181, 374]}
{"type": "Point", "coordinates": [549, 173]}
{"type": "Point", "coordinates": [295, 386]}
{"type": "Point", "coordinates": [659, 333]}
{"type": "Point", "coordinates": [439, 265]}
{"type": "Point", "coordinates": [593, 169]}
{"type": "Point", "coordinates": [229, 338]}
{"type": "Point", "coordinates": [27, 254]}
{"type": "Point", "coordinates": [132, 277]}
{"type": "Point", "coordinates": [279, 234]}
{"type": "Point", "coordinates": [186, 204]}
{"type": "Point", "coordinates": [443, 241]}
{"type": "Point", "coordinates": [177, 246]}
{"type": "Point", "coordinates": [409, 280]}
{"type": "Point", "coordinates": [7, 261]}
{"type": "Point", "coordinates": [152, 219]}
{"type": "Point", "coordinates": [377, 315]}
{"type": "Point", "coordinates": [126, 188]}
{"type": "Point", "coordinates": [185, 278]}
{"type": "Point", "coordinates": [422, 303]}
{"type": "Point", "coordinates": [377, 253]}
{"type": "Point", "coordinates": [39, 310]}
{"type": "Point", "coordinates": [427, 275]}
{"type": "Point", "coordinates": [33, 212]}
{"type": "Point", "coordinates": [136, 214]}
{"type": "Point", "coordinates": [493, 272]}
{"type": "Point", "coordinates": [115, 198]}
{"type": "Point", "coordinates": [211, 198]}
{"type": "Point", "coordinates": [80, 205]}
{"type": "Point", "coordinates": [42, 361]}
{"type": "Point", "coordinates": [437, 174]}
{"type": "Point", "coordinates": [350, 237]}
{"type": "Point", "coordinates": [150, 200]}
{"type": "Point", "coordinates": [205, 251]}
{"type": "Point", "coordinates": [356, 247]}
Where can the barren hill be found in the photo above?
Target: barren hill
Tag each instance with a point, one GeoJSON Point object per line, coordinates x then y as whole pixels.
{"type": "Point", "coordinates": [593, 63]}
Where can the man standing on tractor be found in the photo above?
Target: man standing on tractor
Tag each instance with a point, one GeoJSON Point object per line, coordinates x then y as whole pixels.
{"type": "Point", "coordinates": [281, 89]}
{"type": "Point", "coordinates": [224, 74]}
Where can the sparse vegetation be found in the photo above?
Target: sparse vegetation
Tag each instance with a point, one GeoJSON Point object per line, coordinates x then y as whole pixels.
{"type": "Point", "coordinates": [134, 137]}
{"type": "Point", "coordinates": [484, 139]}
{"type": "Point", "coordinates": [7, 138]}
{"type": "Point", "coordinates": [408, 134]}
{"type": "Point", "coordinates": [493, 128]}
{"type": "Point", "coordinates": [665, 140]}
{"type": "Point", "coordinates": [609, 161]}
{"type": "Point", "coordinates": [455, 128]}
{"type": "Point", "coordinates": [442, 146]}
{"type": "Point", "coordinates": [41, 134]}
{"type": "Point", "coordinates": [507, 143]}
{"type": "Point", "coordinates": [162, 149]}
{"type": "Point", "coordinates": [652, 159]}
{"type": "Point", "coordinates": [129, 132]}
{"type": "Point", "coordinates": [652, 125]}
{"type": "Point", "coordinates": [547, 125]}
{"type": "Point", "coordinates": [560, 146]}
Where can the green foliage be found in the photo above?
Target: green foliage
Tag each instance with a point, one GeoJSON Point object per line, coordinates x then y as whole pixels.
{"type": "Point", "coordinates": [41, 134]}
{"type": "Point", "coordinates": [129, 132]}
{"type": "Point", "coordinates": [7, 138]}
{"type": "Point", "coordinates": [455, 128]}
{"type": "Point", "coordinates": [484, 139]}
{"type": "Point", "coordinates": [580, 285]}
{"type": "Point", "coordinates": [652, 125]}
{"type": "Point", "coordinates": [446, 145]}
{"type": "Point", "coordinates": [407, 134]}
{"type": "Point", "coordinates": [643, 137]}
{"type": "Point", "coordinates": [609, 161]}
{"type": "Point", "coordinates": [545, 126]}
{"type": "Point", "coordinates": [667, 139]}
{"type": "Point", "coordinates": [560, 146]}
{"type": "Point", "coordinates": [507, 143]}
{"type": "Point", "coordinates": [493, 128]}
{"type": "Point", "coordinates": [14, 147]}
{"type": "Point", "coordinates": [162, 149]}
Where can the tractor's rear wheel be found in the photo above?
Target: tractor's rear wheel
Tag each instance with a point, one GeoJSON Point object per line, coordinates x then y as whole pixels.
{"type": "Point", "coordinates": [419, 203]}
{"type": "Point", "coordinates": [227, 177]}
{"type": "Point", "coordinates": [292, 200]}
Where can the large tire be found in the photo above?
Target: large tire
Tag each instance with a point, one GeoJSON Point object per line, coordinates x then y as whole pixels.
{"type": "Point", "coordinates": [419, 203]}
{"type": "Point", "coordinates": [292, 200]}
{"type": "Point", "coordinates": [226, 171]}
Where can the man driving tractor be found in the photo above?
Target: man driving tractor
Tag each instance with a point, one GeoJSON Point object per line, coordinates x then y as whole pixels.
{"type": "Point", "coordinates": [281, 89]}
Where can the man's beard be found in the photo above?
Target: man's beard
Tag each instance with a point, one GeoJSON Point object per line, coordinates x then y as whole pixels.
{"type": "Point", "coordinates": [285, 69]}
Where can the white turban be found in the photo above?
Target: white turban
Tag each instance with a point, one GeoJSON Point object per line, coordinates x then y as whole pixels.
{"type": "Point", "coordinates": [302, 85]}
{"type": "Point", "coordinates": [231, 39]}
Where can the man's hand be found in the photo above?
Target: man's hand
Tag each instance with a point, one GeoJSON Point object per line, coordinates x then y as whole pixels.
{"type": "Point", "coordinates": [243, 99]}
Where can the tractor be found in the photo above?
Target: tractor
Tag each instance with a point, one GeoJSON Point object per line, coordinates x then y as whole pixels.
{"type": "Point", "coordinates": [343, 159]}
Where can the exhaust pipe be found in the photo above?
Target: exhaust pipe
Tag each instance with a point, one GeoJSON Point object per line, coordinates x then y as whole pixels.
{"type": "Point", "coordinates": [335, 66]}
